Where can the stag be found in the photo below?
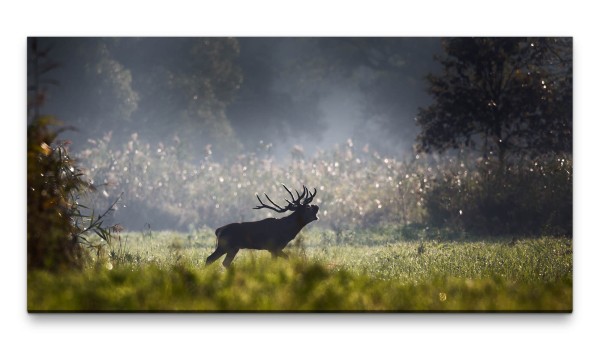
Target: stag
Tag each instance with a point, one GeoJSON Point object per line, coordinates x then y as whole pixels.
{"type": "Point", "coordinates": [271, 234]}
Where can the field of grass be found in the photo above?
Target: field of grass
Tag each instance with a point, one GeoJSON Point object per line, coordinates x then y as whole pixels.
{"type": "Point", "coordinates": [164, 271]}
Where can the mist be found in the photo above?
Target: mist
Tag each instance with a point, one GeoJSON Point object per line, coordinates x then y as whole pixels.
{"type": "Point", "coordinates": [312, 93]}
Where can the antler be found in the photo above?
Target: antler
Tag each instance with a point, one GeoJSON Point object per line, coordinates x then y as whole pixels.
{"type": "Point", "coordinates": [310, 197]}
{"type": "Point", "coordinates": [292, 205]}
{"type": "Point", "coordinates": [277, 208]}
{"type": "Point", "coordinates": [297, 200]}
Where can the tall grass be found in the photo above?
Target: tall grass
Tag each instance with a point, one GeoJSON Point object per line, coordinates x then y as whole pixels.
{"type": "Point", "coordinates": [358, 189]}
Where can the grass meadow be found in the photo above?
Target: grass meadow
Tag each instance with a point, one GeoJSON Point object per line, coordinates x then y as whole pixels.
{"type": "Point", "coordinates": [165, 271]}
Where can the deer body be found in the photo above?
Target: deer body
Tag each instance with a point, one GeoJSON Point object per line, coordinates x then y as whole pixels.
{"type": "Point", "coordinates": [271, 234]}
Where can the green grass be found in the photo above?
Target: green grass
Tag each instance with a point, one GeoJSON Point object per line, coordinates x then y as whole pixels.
{"type": "Point", "coordinates": [165, 271]}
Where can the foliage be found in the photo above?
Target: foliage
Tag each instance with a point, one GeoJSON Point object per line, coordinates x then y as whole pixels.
{"type": "Point", "coordinates": [52, 180]}
{"type": "Point", "coordinates": [162, 271]}
{"type": "Point", "coordinates": [57, 225]}
{"type": "Point", "coordinates": [503, 96]}
{"type": "Point", "coordinates": [166, 86]}
{"type": "Point", "coordinates": [510, 101]}
{"type": "Point", "coordinates": [530, 198]}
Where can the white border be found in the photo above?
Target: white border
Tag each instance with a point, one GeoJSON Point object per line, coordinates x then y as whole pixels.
{"type": "Point", "coordinates": [302, 18]}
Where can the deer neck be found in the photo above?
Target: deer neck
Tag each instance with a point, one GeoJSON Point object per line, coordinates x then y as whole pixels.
{"type": "Point", "coordinates": [296, 223]}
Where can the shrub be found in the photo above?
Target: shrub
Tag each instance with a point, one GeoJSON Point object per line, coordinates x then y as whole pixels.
{"type": "Point", "coordinates": [531, 197]}
{"type": "Point", "coordinates": [52, 181]}
{"type": "Point", "coordinates": [57, 224]}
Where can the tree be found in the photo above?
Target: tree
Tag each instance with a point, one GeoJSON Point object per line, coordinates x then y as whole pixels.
{"type": "Point", "coordinates": [502, 96]}
{"type": "Point", "coordinates": [157, 87]}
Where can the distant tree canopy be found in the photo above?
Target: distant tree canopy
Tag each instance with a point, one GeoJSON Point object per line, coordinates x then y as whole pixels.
{"type": "Point", "coordinates": [230, 92]}
{"type": "Point", "coordinates": [502, 96]}
{"type": "Point", "coordinates": [270, 105]}
{"type": "Point", "coordinates": [160, 87]}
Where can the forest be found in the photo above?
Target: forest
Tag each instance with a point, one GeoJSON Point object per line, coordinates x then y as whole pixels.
{"type": "Point", "coordinates": [443, 172]}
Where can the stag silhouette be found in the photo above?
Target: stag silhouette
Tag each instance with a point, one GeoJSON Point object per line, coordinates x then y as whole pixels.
{"type": "Point", "coordinates": [271, 234]}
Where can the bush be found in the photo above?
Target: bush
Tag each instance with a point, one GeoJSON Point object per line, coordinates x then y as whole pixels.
{"type": "Point", "coordinates": [57, 225]}
{"type": "Point", "coordinates": [532, 197]}
{"type": "Point", "coordinates": [52, 182]}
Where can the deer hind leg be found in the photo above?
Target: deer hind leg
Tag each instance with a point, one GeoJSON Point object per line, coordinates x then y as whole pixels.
{"type": "Point", "coordinates": [215, 255]}
{"type": "Point", "coordinates": [279, 253]}
{"type": "Point", "coordinates": [229, 257]}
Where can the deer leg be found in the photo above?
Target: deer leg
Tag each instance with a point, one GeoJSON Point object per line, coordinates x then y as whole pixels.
{"type": "Point", "coordinates": [229, 257]}
{"type": "Point", "coordinates": [279, 253]}
{"type": "Point", "coordinates": [283, 255]}
{"type": "Point", "coordinates": [216, 255]}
